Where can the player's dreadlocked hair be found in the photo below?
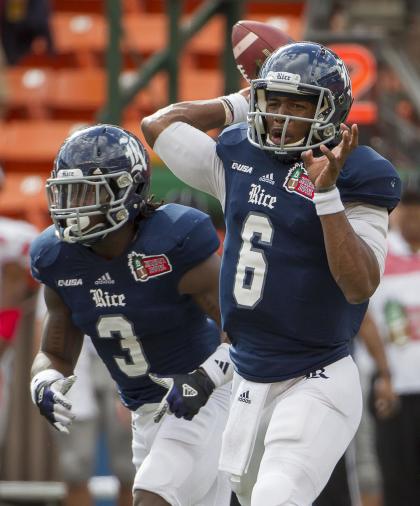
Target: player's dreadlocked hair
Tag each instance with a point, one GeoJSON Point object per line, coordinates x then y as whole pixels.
{"type": "Point", "coordinates": [148, 208]}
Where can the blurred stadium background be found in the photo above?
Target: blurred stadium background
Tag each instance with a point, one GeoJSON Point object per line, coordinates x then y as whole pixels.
{"type": "Point", "coordinates": [73, 62]}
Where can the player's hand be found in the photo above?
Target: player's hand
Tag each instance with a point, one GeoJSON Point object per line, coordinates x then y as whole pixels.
{"type": "Point", "coordinates": [386, 400]}
{"type": "Point", "coordinates": [53, 404]}
{"type": "Point", "coordinates": [323, 170]}
{"type": "Point", "coordinates": [187, 394]}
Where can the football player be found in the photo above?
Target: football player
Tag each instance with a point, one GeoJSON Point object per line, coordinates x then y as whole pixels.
{"type": "Point", "coordinates": [142, 281]}
{"type": "Point", "coordinates": [16, 289]}
{"type": "Point", "coordinates": [306, 213]}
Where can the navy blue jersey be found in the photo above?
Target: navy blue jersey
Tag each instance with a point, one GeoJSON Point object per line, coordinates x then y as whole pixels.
{"type": "Point", "coordinates": [281, 307]}
{"type": "Point", "coordinates": [130, 306]}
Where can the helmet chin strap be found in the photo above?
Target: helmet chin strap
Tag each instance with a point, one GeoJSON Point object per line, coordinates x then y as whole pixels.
{"type": "Point", "coordinates": [71, 233]}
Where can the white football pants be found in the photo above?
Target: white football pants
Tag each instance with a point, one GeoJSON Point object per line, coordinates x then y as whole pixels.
{"type": "Point", "coordinates": [305, 427]}
{"type": "Point", "coordinates": [177, 459]}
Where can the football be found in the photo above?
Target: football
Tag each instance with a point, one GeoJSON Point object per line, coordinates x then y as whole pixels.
{"type": "Point", "coordinates": [253, 42]}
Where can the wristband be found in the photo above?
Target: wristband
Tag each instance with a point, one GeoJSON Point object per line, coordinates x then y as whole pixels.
{"type": "Point", "coordinates": [236, 108]}
{"type": "Point", "coordinates": [218, 366]}
{"type": "Point", "coordinates": [48, 375]}
{"type": "Point", "coordinates": [328, 202]}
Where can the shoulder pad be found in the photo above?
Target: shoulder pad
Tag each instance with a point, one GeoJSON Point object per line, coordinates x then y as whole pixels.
{"type": "Point", "coordinates": [186, 235]}
{"type": "Point", "coordinates": [233, 134]}
{"type": "Point", "coordinates": [369, 177]}
{"type": "Point", "coordinates": [175, 221]}
{"type": "Point", "coordinates": [44, 250]}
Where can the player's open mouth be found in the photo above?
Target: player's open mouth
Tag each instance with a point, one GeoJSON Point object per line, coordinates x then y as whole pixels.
{"type": "Point", "coordinates": [275, 136]}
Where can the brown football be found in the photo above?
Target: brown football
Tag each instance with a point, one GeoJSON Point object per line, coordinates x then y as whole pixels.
{"type": "Point", "coordinates": [253, 42]}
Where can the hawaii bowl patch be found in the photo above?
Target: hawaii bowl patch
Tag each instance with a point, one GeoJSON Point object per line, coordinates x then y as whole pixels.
{"type": "Point", "coordinates": [144, 267]}
{"type": "Point", "coordinates": [297, 181]}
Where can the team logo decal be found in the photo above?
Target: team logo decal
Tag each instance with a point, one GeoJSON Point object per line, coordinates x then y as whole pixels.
{"type": "Point", "coordinates": [144, 267]}
{"type": "Point", "coordinates": [297, 181]}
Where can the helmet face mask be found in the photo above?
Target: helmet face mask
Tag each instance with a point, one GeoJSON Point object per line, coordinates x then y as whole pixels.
{"type": "Point", "coordinates": [99, 182]}
{"type": "Point", "coordinates": [302, 71]}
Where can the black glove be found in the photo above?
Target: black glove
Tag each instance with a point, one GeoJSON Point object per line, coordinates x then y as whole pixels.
{"type": "Point", "coordinates": [187, 394]}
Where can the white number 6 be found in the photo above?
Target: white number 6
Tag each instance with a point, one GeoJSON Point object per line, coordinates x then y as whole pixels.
{"type": "Point", "coordinates": [252, 265]}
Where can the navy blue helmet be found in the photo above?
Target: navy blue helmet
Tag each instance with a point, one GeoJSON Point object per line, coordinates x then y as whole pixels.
{"type": "Point", "coordinates": [303, 69]}
{"type": "Point", "coordinates": [99, 182]}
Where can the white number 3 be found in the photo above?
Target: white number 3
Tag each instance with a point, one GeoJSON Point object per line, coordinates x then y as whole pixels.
{"type": "Point", "coordinates": [112, 324]}
{"type": "Point", "coordinates": [251, 270]}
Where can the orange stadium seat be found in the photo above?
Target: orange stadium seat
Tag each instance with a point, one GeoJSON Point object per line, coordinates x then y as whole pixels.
{"type": "Point", "coordinates": [149, 99]}
{"type": "Point", "coordinates": [200, 84]}
{"type": "Point", "coordinates": [31, 146]}
{"type": "Point", "coordinates": [78, 94]}
{"type": "Point", "coordinates": [273, 8]}
{"type": "Point", "coordinates": [29, 91]}
{"type": "Point", "coordinates": [159, 6]}
{"type": "Point", "coordinates": [23, 197]}
{"type": "Point", "coordinates": [292, 25]}
{"type": "Point", "coordinates": [144, 33]}
{"type": "Point", "coordinates": [206, 47]}
{"type": "Point", "coordinates": [90, 6]}
{"type": "Point", "coordinates": [79, 38]}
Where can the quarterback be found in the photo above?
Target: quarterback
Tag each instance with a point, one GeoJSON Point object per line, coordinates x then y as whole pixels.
{"type": "Point", "coordinates": [306, 212]}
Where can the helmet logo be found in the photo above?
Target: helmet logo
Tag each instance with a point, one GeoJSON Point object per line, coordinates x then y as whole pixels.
{"type": "Point", "coordinates": [283, 76]}
{"type": "Point", "coordinates": [137, 159]}
{"type": "Point", "coordinates": [343, 73]}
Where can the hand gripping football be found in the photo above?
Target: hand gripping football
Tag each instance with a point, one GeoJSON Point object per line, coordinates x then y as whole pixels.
{"type": "Point", "coordinates": [253, 42]}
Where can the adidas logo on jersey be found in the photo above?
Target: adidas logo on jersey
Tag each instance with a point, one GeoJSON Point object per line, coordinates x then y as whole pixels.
{"type": "Point", "coordinates": [188, 391]}
{"type": "Point", "coordinates": [244, 397]}
{"type": "Point", "coordinates": [105, 279]}
{"type": "Point", "coordinates": [268, 178]}
{"type": "Point", "coordinates": [224, 366]}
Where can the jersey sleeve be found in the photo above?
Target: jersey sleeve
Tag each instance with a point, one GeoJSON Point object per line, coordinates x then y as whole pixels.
{"type": "Point", "coordinates": [369, 178]}
{"type": "Point", "coordinates": [191, 155]}
{"type": "Point", "coordinates": [198, 241]}
{"type": "Point", "coordinates": [371, 224]}
{"type": "Point", "coordinates": [43, 253]}
{"type": "Point", "coordinates": [35, 255]}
